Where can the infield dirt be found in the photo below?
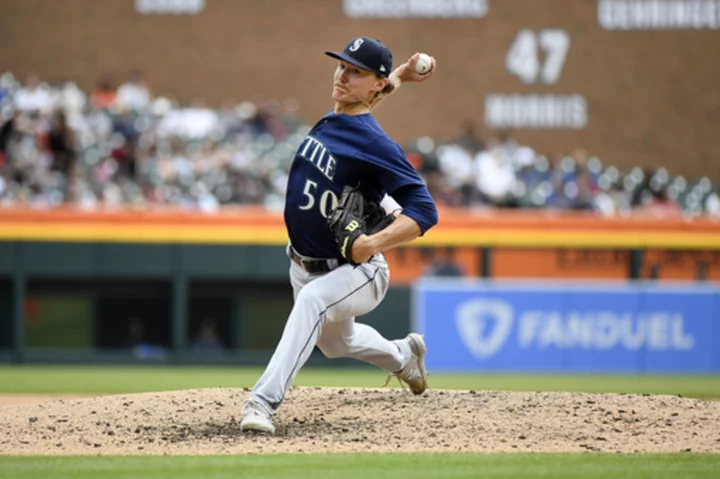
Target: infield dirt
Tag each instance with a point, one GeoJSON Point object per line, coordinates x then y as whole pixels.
{"type": "Point", "coordinates": [319, 419]}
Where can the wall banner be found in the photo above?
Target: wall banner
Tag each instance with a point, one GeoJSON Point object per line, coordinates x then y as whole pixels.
{"type": "Point", "coordinates": [569, 327]}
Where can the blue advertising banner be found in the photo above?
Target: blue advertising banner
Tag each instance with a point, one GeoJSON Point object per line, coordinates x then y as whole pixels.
{"type": "Point", "coordinates": [574, 327]}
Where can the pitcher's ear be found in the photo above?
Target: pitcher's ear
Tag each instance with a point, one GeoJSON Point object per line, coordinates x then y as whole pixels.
{"type": "Point", "coordinates": [380, 84]}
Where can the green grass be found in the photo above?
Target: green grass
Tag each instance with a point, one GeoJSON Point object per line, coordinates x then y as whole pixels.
{"type": "Point", "coordinates": [113, 379]}
{"type": "Point", "coordinates": [349, 466]}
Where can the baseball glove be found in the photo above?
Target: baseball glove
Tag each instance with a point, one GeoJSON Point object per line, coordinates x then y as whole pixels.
{"type": "Point", "coordinates": [354, 216]}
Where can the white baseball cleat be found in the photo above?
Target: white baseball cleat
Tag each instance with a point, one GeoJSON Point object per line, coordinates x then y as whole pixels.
{"type": "Point", "coordinates": [414, 373]}
{"type": "Point", "coordinates": [256, 417]}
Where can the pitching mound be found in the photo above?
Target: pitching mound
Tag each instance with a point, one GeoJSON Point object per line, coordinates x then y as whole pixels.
{"type": "Point", "coordinates": [206, 421]}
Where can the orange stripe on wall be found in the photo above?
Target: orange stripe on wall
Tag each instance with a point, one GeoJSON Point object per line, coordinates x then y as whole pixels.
{"type": "Point", "coordinates": [255, 225]}
{"type": "Point", "coordinates": [156, 233]}
{"type": "Point", "coordinates": [144, 234]}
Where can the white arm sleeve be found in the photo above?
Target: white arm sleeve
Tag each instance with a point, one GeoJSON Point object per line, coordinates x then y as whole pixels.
{"type": "Point", "coordinates": [390, 205]}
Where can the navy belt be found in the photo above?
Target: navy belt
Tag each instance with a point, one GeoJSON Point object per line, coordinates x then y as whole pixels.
{"type": "Point", "coordinates": [315, 266]}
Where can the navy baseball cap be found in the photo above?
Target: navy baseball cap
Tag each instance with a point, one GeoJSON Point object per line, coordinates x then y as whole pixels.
{"type": "Point", "coordinates": [368, 54]}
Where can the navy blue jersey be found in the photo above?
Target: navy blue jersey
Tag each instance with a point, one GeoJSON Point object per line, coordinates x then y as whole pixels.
{"type": "Point", "coordinates": [343, 150]}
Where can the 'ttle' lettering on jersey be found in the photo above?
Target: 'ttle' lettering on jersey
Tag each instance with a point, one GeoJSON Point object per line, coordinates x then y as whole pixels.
{"type": "Point", "coordinates": [316, 153]}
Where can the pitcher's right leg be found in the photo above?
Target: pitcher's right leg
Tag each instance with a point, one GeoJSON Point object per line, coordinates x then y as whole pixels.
{"type": "Point", "coordinates": [301, 332]}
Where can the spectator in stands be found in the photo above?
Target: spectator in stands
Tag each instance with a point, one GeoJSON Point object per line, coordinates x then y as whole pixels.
{"type": "Point", "coordinates": [712, 203]}
{"type": "Point", "coordinates": [660, 204]}
{"type": "Point", "coordinates": [572, 187]}
{"type": "Point", "coordinates": [194, 122]}
{"type": "Point", "coordinates": [125, 156]}
{"type": "Point", "coordinates": [138, 342]}
{"type": "Point", "coordinates": [469, 139]}
{"type": "Point", "coordinates": [61, 142]}
{"type": "Point", "coordinates": [455, 163]}
{"type": "Point", "coordinates": [134, 94]}
{"type": "Point", "coordinates": [104, 94]}
{"type": "Point", "coordinates": [443, 263]}
{"type": "Point", "coordinates": [136, 333]}
{"type": "Point", "coordinates": [8, 119]}
{"type": "Point", "coordinates": [33, 98]}
{"type": "Point", "coordinates": [69, 98]}
{"type": "Point", "coordinates": [494, 175]}
{"type": "Point", "coordinates": [614, 201]}
{"type": "Point", "coordinates": [643, 189]}
{"type": "Point", "coordinates": [207, 337]}
{"type": "Point", "coordinates": [229, 118]}
{"type": "Point", "coordinates": [442, 192]}
{"type": "Point", "coordinates": [123, 122]}
{"type": "Point", "coordinates": [4, 91]}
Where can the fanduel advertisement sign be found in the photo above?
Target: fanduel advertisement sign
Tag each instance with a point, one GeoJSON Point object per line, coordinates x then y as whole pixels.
{"type": "Point", "coordinates": [602, 328]}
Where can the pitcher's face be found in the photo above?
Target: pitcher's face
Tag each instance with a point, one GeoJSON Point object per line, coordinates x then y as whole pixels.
{"type": "Point", "coordinates": [351, 83]}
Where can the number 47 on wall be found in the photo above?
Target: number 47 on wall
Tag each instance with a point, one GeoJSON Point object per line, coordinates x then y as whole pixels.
{"type": "Point", "coordinates": [524, 58]}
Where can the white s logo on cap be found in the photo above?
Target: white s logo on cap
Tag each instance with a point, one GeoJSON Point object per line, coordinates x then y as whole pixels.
{"type": "Point", "coordinates": [356, 44]}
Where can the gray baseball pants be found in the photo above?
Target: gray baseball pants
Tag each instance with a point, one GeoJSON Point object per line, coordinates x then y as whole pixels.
{"type": "Point", "coordinates": [324, 313]}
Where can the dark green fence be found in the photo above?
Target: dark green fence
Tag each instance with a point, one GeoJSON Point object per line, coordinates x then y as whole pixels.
{"type": "Point", "coordinates": [115, 302]}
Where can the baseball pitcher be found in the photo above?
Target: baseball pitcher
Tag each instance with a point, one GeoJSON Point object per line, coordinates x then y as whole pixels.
{"type": "Point", "coordinates": [339, 177]}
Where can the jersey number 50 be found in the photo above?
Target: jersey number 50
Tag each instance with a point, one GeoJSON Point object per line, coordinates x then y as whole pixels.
{"type": "Point", "coordinates": [310, 192]}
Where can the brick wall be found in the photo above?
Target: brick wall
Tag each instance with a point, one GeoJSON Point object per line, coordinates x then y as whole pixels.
{"type": "Point", "coordinates": [653, 97]}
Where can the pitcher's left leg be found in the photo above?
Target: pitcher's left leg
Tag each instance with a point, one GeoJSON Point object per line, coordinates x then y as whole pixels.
{"type": "Point", "coordinates": [348, 339]}
{"type": "Point", "coordinates": [342, 336]}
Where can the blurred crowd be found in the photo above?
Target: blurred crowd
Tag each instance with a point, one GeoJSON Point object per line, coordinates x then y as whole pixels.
{"type": "Point", "coordinates": [499, 172]}
{"type": "Point", "coordinates": [124, 146]}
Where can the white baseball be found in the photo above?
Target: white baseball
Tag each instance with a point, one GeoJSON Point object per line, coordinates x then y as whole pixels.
{"type": "Point", "coordinates": [423, 64]}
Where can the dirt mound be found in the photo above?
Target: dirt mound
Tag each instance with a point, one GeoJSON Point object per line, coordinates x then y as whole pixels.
{"type": "Point", "coordinates": [8, 399]}
{"type": "Point", "coordinates": [206, 421]}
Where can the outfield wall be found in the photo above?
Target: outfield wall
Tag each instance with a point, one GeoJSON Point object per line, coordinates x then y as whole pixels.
{"type": "Point", "coordinates": [640, 327]}
{"type": "Point", "coordinates": [72, 282]}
